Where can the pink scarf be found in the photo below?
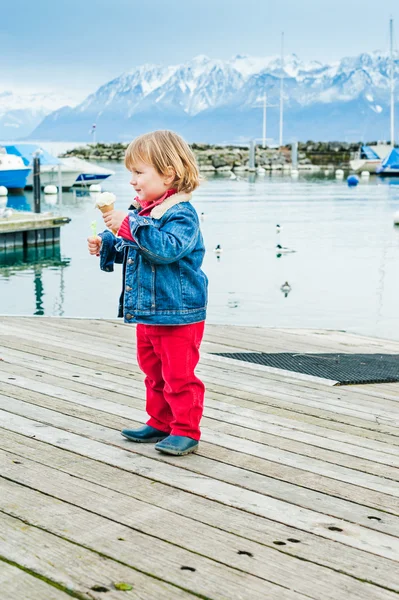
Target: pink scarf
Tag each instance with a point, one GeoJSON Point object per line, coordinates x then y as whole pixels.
{"type": "Point", "coordinates": [146, 208]}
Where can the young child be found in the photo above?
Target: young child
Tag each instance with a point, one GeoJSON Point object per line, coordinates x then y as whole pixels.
{"type": "Point", "coordinates": [164, 289]}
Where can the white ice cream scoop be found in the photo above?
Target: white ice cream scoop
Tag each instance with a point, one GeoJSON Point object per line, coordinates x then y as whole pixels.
{"type": "Point", "coordinates": [106, 199]}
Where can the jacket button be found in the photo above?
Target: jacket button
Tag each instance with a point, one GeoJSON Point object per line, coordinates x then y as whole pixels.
{"type": "Point", "coordinates": [129, 316]}
{"type": "Point", "coordinates": [130, 261]}
{"type": "Point", "coordinates": [128, 288]}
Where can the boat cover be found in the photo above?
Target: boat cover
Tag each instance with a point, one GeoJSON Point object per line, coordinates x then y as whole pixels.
{"type": "Point", "coordinates": [391, 161]}
{"type": "Point", "coordinates": [369, 153]}
{"type": "Point", "coordinates": [26, 151]}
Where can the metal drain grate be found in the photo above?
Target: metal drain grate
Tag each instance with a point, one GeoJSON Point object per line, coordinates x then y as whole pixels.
{"type": "Point", "coordinates": [345, 368]}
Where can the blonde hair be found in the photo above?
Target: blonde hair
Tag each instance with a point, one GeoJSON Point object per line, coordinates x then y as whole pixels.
{"type": "Point", "coordinates": [164, 150]}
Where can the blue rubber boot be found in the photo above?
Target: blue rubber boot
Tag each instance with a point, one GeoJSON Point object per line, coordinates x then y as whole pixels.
{"type": "Point", "coordinates": [178, 445]}
{"type": "Point", "coordinates": [145, 434]}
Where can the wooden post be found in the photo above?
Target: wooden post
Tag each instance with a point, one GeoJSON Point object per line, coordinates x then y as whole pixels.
{"type": "Point", "coordinates": [252, 155]}
{"type": "Point", "coordinates": [264, 121]}
{"type": "Point", "coordinates": [59, 185]}
{"type": "Point", "coordinates": [294, 155]}
{"type": "Point", "coordinates": [36, 184]}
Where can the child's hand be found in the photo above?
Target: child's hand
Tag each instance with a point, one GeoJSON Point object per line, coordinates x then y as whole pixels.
{"type": "Point", "coordinates": [94, 245]}
{"type": "Point", "coordinates": [113, 219]}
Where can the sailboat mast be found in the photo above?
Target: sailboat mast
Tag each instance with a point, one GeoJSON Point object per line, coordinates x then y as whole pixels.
{"type": "Point", "coordinates": [281, 90]}
{"type": "Point", "coordinates": [392, 86]}
{"type": "Point", "coordinates": [264, 121]}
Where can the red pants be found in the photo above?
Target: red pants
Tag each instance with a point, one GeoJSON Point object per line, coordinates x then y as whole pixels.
{"type": "Point", "coordinates": [168, 355]}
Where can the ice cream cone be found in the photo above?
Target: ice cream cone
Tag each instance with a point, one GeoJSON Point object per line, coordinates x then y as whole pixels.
{"type": "Point", "coordinates": [105, 203]}
{"type": "Point", "coordinates": [106, 208]}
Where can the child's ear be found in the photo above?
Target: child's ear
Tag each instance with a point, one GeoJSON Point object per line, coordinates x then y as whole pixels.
{"type": "Point", "coordinates": [170, 176]}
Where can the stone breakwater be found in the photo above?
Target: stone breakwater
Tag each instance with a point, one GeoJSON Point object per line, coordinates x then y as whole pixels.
{"type": "Point", "coordinates": [210, 158]}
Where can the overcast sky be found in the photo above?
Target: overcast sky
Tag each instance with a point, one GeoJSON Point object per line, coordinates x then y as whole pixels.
{"type": "Point", "coordinates": [73, 46]}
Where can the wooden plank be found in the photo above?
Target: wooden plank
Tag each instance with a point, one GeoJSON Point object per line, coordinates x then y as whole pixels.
{"type": "Point", "coordinates": [262, 562]}
{"type": "Point", "coordinates": [364, 410]}
{"type": "Point", "coordinates": [315, 340]}
{"type": "Point", "coordinates": [276, 406]}
{"type": "Point", "coordinates": [259, 403]}
{"type": "Point", "coordinates": [276, 455]}
{"type": "Point", "coordinates": [312, 338]}
{"type": "Point", "coordinates": [75, 568]}
{"type": "Point", "coordinates": [237, 369]}
{"type": "Point", "coordinates": [27, 221]}
{"type": "Point", "coordinates": [13, 581]}
{"type": "Point", "coordinates": [220, 517]}
{"type": "Point", "coordinates": [258, 376]}
{"type": "Point", "coordinates": [285, 427]}
{"type": "Point", "coordinates": [272, 341]}
{"type": "Point", "coordinates": [166, 471]}
{"type": "Point", "coordinates": [228, 450]}
{"type": "Point", "coordinates": [307, 457]}
{"type": "Point", "coordinates": [50, 333]}
{"type": "Point", "coordinates": [245, 381]}
{"type": "Point", "coordinates": [205, 577]}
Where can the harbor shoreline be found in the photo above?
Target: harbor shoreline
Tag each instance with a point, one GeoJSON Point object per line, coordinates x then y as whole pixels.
{"type": "Point", "coordinates": [219, 158]}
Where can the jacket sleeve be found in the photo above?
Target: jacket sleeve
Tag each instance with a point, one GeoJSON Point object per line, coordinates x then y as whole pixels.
{"type": "Point", "coordinates": [109, 255]}
{"type": "Point", "coordinates": [168, 243]}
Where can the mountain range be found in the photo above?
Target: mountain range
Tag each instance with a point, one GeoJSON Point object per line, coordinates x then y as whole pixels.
{"type": "Point", "coordinates": [216, 101]}
{"type": "Point", "coordinates": [21, 113]}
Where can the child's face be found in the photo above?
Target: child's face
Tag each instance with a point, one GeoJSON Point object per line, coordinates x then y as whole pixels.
{"type": "Point", "coordinates": [148, 183]}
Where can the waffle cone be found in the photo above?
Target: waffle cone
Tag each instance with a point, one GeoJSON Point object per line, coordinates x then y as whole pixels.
{"type": "Point", "coordinates": [105, 209]}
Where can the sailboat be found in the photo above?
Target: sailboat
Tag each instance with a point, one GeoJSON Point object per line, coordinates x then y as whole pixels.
{"type": "Point", "coordinates": [366, 159]}
{"type": "Point", "coordinates": [390, 165]}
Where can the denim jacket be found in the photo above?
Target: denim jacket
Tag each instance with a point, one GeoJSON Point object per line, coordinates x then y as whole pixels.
{"type": "Point", "coordinates": [163, 283]}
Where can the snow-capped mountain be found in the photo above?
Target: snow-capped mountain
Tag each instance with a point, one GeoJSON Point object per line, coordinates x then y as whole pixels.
{"type": "Point", "coordinates": [20, 113]}
{"type": "Point", "coordinates": [210, 100]}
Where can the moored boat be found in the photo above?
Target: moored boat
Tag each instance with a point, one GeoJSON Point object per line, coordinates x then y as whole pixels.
{"type": "Point", "coordinates": [13, 171]}
{"type": "Point", "coordinates": [91, 173]}
{"type": "Point", "coordinates": [51, 167]}
{"type": "Point", "coordinates": [366, 160]}
{"type": "Point", "coordinates": [390, 165]}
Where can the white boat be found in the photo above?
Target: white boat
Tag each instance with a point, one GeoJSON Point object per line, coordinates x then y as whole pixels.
{"type": "Point", "coordinates": [13, 171]}
{"type": "Point", "coordinates": [49, 175]}
{"type": "Point", "coordinates": [366, 159]}
{"type": "Point", "coordinates": [51, 168]}
{"type": "Point", "coordinates": [90, 172]}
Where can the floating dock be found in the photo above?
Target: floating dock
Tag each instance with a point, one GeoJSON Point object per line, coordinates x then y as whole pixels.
{"type": "Point", "coordinates": [26, 229]}
{"type": "Point", "coordinates": [293, 494]}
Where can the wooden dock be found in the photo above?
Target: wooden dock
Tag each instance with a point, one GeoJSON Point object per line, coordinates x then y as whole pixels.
{"type": "Point", "coordinates": [23, 230]}
{"type": "Point", "coordinates": [292, 495]}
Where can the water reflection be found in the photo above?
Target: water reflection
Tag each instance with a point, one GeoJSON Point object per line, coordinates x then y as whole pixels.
{"type": "Point", "coordinates": [18, 202]}
{"type": "Point", "coordinates": [20, 258]}
{"type": "Point", "coordinates": [36, 261]}
{"type": "Point", "coordinates": [388, 180]}
{"type": "Point", "coordinates": [286, 288]}
{"type": "Point", "coordinates": [38, 270]}
{"type": "Point", "coordinates": [38, 285]}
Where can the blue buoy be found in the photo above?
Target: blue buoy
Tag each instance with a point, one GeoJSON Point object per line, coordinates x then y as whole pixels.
{"type": "Point", "coordinates": [352, 180]}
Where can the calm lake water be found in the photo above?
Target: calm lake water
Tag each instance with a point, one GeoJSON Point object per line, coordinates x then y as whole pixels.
{"type": "Point", "coordinates": [343, 275]}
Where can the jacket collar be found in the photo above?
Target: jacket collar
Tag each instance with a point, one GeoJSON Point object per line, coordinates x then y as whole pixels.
{"type": "Point", "coordinates": [159, 210]}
